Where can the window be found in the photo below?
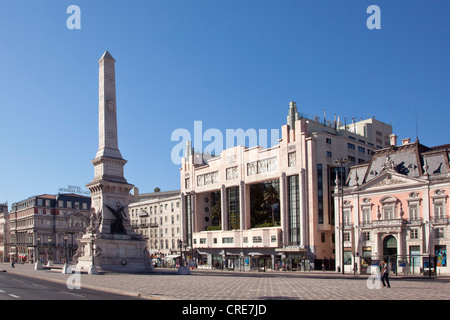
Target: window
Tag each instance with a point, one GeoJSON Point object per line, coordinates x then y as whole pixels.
{"type": "Point", "coordinates": [351, 159]}
{"type": "Point", "coordinates": [273, 239]}
{"type": "Point", "coordinates": [228, 240]}
{"type": "Point", "coordinates": [414, 234]}
{"type": "Point", "coordinates": [320, 193]}
{"type": "Point", "coordinates": [47, 203]}
{"type": "Point", "coordinates": [346, 236]}
{"type": "Point", "coordinates": [388, 212]}
{"type": "Point", "coordinates": [245, 239]}
{"type": "Point", "coordinates": [69, 204]}
{"type": "Point", "coordinates": [439, 233]}
{"type": "Point", "coordinates": [347, 217]}
{"type": "Point", "coordinates": [328, 140]}
{"type": "Point", "coordinates": [322, 237]}
{"type": "Point", "coordinates": [361, 149]}
{"type": "Point", "coordinates": [202, 240]}
{"type": "Point", "coordinates": [413, 211]}
{"type": "Point", "coordinates": [61, 204]}
{"type": "Point", "coordinates": [40, 203]}
{"type": "Point", "coordinates": [257, 239]}
{"type": "Point", "coordinates": [351, 146]}
{"type": "Point", "coordinates": [366, 236]}
{"type": "Point", "coordinates": [366, 215]}
{"type": "Point", "coordinates": [439, 210]}
{"type": "Point", "coordinates": [329, 154]}
{"type": "Point", "coordinates": [84, 206]}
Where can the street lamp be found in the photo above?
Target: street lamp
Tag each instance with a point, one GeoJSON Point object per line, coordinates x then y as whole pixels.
{"type": "Point", "coordinates": [92, 269]}
{"type": "Point", "coordinates": [341, 163]}
{"type": "Point", "coordinates": [50, 258]}
{"type": "Point", "coordinates": [66, 265]}
{"type": "Point", "coordinates": [37, 265]}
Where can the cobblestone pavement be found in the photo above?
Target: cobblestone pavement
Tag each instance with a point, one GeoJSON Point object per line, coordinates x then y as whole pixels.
{"type": "Point", "coordinates": [225, 285]}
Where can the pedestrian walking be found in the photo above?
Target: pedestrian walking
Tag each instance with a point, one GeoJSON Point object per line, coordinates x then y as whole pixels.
{"type": "Point", "coordinates": [385, 274]}
{"type": "Point", "coordinates": [12, 263]}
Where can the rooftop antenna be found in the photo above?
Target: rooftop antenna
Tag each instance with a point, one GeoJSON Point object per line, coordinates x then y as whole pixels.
{"type": "Point", "coordinates": [391, 116]}
{"type": "Point", "coordinates": [417, 128]}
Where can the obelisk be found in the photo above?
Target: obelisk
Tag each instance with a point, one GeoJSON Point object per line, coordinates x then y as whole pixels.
{"type": "Point", "coordinates": [110, 242]}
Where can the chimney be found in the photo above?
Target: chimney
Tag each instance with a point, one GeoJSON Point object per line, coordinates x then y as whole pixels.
{"type": "Point", "coordinates": [406, 141]}
{"type": "Point", "coordinates": [393, 139]}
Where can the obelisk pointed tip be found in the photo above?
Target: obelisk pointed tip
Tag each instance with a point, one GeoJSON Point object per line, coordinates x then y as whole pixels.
{"type": "Point", "coordinates": [107, 55]}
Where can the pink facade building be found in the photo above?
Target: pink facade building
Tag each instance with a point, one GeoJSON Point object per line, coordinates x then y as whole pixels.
{"type": "Point", "coordinates": [395, 207]}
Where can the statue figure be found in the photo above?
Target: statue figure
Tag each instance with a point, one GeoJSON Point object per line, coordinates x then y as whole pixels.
{"type": "Point", "coordinates": [117, 226]}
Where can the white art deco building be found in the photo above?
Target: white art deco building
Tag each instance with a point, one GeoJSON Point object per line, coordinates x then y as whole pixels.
{"type": "Point", "coordinates": [272, 208]}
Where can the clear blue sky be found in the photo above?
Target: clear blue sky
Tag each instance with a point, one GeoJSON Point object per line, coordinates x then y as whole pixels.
{"type": "Point", "coordinates": [229, 63]}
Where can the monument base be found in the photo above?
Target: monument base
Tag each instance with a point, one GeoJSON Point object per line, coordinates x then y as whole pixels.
{"type": "Point", "coordinates": [115, 253]}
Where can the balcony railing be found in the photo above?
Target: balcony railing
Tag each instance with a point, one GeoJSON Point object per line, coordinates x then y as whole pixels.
{"type": "Point", "coordinates": [388, 223]}
{"type": "Point", "coordinates": [439, 220]}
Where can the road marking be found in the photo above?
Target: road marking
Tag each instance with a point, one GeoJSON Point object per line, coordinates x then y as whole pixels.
{"type": "Point", "coordinates": [13, 295]}
{"type": "Point", "coordinates": [2, 291]}
{"type": "Point", "coordinates": [17, 280]}
{"type": "Point", "coordinates": [74, 294]}
{"type": "Point", "coordinates": [39, 286]}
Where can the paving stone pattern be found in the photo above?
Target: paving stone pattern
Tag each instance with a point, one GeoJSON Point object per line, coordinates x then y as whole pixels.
{"type": "Point", "coordinates": [225, 285]}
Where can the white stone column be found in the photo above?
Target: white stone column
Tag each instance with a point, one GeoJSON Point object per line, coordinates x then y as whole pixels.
{"type": "Point", "coordinates": [284, 205]}
{"type": "Point", "coordinates": [242, 210]}
{"type": "Point", "coordinates": [303, 205]}
{"type": "Point", "coordinates": [224, 207]}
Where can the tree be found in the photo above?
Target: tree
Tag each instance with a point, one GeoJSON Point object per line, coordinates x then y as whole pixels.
{"type": "Point", "coordinates": [157, 189]}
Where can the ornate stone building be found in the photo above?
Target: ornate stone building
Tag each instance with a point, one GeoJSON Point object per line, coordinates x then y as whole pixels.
{"type": "Point", "coordinates": [396, 207]}
{"type": "Point", "coordinates": [157, 216]}
{"type": "Point", "coordinates": [51, 223]}
{"type": "Point", "coordinates": [4, 232]}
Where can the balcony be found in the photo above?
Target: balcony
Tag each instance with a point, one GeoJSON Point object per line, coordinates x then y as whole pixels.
{"type": "Point", "coordinates": [389, 223]}
{"type": "Point", "coordinates": [439, 221]}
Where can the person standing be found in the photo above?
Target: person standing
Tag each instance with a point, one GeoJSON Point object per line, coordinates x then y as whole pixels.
{"type": "Point", "coordinates": [385, 274]}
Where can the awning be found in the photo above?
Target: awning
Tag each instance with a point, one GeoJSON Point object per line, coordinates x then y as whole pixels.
{"type": "Point", "coordinates": [255, 254]}
{"type": "Point", "coordinates": [172, 256]}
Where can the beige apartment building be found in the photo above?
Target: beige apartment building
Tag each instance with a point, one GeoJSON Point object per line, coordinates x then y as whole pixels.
{"type": "Point", "coordinates": [272, 208]}
{"type": "Point", "coordinates": [4, 231]}
{"type": "Point", "coordinates": [157, 216]}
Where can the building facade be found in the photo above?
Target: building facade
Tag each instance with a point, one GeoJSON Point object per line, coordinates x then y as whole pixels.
{"type": "Point", "coordinates": [157, 216]}
{"type": "Point", "coordinates": [4, 232]}
{"type": "Point", "coordinates": [396, 208]}
{"type": "Point", "coordinates": [48, 226]}
{"type": "Point", "coordinates": [272, 208]}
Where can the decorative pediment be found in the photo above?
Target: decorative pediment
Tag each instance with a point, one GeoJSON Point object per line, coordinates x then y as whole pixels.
{"type": "Point", "coordinates": [386, 179]}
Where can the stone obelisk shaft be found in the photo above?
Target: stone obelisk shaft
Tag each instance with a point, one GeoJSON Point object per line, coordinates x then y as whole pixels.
{"type": "Point", "coordinates": [108, 162]}
{"type": "Point", "coordinates": [107, 122]}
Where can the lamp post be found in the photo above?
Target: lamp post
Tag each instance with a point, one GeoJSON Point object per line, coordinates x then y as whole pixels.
{"type": "Point", "coordinates": [180, 245]}
{"type": "Point", "coordinates": [183, 269]}
{"type": "Point", "coordinates": [50, 258]}
{"type": "Point", "coordinates": [341, 163]}
{"type": "Point", "coordinates": [92, 269]}
{"type": "Point", "coordinates": [66, 268]}
{"type": "Point", "coordinates": [38, 264]}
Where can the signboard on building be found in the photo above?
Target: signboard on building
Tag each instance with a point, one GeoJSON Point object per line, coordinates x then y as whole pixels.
{"type": "Point", "coordinates": [74, 189]}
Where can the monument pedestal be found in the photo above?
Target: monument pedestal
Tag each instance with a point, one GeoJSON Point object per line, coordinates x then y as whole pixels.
{"type": "Point", "coordinates": [115, 253]}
